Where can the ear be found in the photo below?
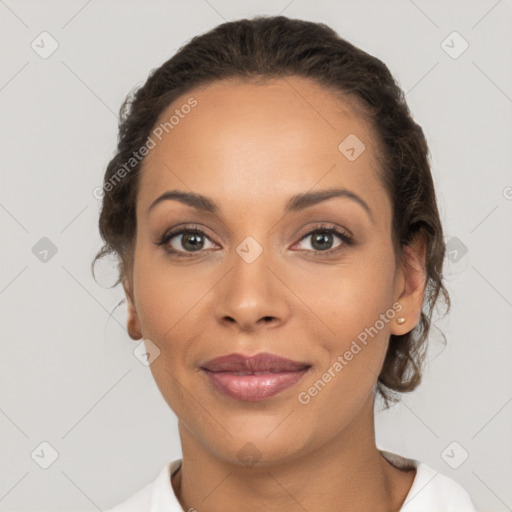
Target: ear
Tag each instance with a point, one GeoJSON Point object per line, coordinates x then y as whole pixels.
{"type": "Point", "coordinates": [133, 322]}
{"type": "Point", "coordinates": [411, 281]}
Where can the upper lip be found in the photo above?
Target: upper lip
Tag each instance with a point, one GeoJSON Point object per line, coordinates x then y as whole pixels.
{"type": "Point", "coordinates": [257, 363]}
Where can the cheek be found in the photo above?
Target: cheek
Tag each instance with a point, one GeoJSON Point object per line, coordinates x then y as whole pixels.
{"type": "Point", "coordinates": [348, 297]}
{"type": "Point", "coordinates": [167, 305]}
{"type": "Point", "coordinates": [350, 360]}
{"type": "Point", "coordinates": [166, 296]}
{"type": "Point", "coordinates": [355, 308]}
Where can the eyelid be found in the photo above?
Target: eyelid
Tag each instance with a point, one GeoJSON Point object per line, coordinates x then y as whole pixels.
{"type": "Point", "coordinates": [327, 226]}
{"type": "Point", "coordinates": [346, 237]}
{"type": "Point", "coordinates": [180, 230]}
{"type": "Point", "coordinates": [343, 234]}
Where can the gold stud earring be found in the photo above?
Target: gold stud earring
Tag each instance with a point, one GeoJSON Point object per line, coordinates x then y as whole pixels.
{"type": "Point", "coordinates": [400, 320]}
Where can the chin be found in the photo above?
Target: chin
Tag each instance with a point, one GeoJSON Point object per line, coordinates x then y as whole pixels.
{"type": "Point", "coordinates": [255, 448]}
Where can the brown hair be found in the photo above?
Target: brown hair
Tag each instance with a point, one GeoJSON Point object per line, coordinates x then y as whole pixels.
{"type": "Point", "coordinates": [272, 47]}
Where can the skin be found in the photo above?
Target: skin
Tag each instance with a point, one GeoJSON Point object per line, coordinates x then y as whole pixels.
{"type": "Point", "coordinates": [249, 147]}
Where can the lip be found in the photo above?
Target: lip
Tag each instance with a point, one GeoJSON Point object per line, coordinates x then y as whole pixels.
{"type": "Point", "coordinates": [253, 378]}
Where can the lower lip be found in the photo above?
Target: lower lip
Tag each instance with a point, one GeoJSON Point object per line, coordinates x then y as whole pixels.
{"type": "Point", "coordinates": [255, 387]}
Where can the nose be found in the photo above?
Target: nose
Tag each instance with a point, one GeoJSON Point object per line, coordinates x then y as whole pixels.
{"type": "Point", "coordinates": [252, 296]}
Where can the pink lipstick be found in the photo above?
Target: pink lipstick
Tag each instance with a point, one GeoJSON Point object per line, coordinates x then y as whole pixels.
{"type": "Point", "coordinates": [253, 378]}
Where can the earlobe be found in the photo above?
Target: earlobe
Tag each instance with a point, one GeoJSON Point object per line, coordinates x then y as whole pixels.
{"type": "Point", "coordinates": [133, 323]}
{"type": "Point", "coordinates": [413, 290]}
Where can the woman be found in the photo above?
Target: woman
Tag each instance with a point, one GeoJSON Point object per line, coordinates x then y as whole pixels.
{"type": "Point", "coordinates": [272, 209]}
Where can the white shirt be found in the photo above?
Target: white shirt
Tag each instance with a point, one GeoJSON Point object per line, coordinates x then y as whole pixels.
{"type": "Point", "coordinates": [431, 491]}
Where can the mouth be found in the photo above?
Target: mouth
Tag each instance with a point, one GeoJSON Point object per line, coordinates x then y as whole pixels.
{"type": "Point", "coordinates": [253, 378]}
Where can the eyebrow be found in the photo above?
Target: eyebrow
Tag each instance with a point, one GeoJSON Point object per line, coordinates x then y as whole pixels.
{"type": "Point", "coordinates": [295, 203]}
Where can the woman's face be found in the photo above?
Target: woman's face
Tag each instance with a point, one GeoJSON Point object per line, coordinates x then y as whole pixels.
{"type": "Point", "coordinates": [261, 279]}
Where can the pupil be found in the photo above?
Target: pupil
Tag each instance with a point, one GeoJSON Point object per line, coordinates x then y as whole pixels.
{"type": "Point", "coordinates": [324, 237]}
{"type": "Point", "coordinates": [192, 239]}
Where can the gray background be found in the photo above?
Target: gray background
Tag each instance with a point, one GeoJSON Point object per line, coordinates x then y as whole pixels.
{"type": "Point", "coordinates": [68, 373]}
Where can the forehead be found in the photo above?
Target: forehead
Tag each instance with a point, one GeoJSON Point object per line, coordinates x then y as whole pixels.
{"type": "Point", "coordinates": [245, 143]}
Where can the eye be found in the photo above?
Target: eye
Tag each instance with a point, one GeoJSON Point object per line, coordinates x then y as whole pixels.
{"type": "Point", "coordinates": [185, 240]}
{"type": "Point", "coordinates": [323, 237]}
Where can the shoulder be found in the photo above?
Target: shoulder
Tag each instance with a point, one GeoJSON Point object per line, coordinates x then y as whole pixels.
{"type": "Point", "coordinates": [157, 495]}
{"type": "Point", "coordinates": [432, 490]}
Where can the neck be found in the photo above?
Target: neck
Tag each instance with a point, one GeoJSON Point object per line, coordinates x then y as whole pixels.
{"type": "Point", "coordinates": [346, 473]}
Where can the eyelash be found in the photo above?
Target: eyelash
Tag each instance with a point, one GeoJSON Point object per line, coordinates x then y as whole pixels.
{"type": "Point", "coordinates": [323, 228]}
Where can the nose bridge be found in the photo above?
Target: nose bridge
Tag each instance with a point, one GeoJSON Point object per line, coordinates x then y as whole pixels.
{"type": "Point", "coordinates": [251, 293]}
